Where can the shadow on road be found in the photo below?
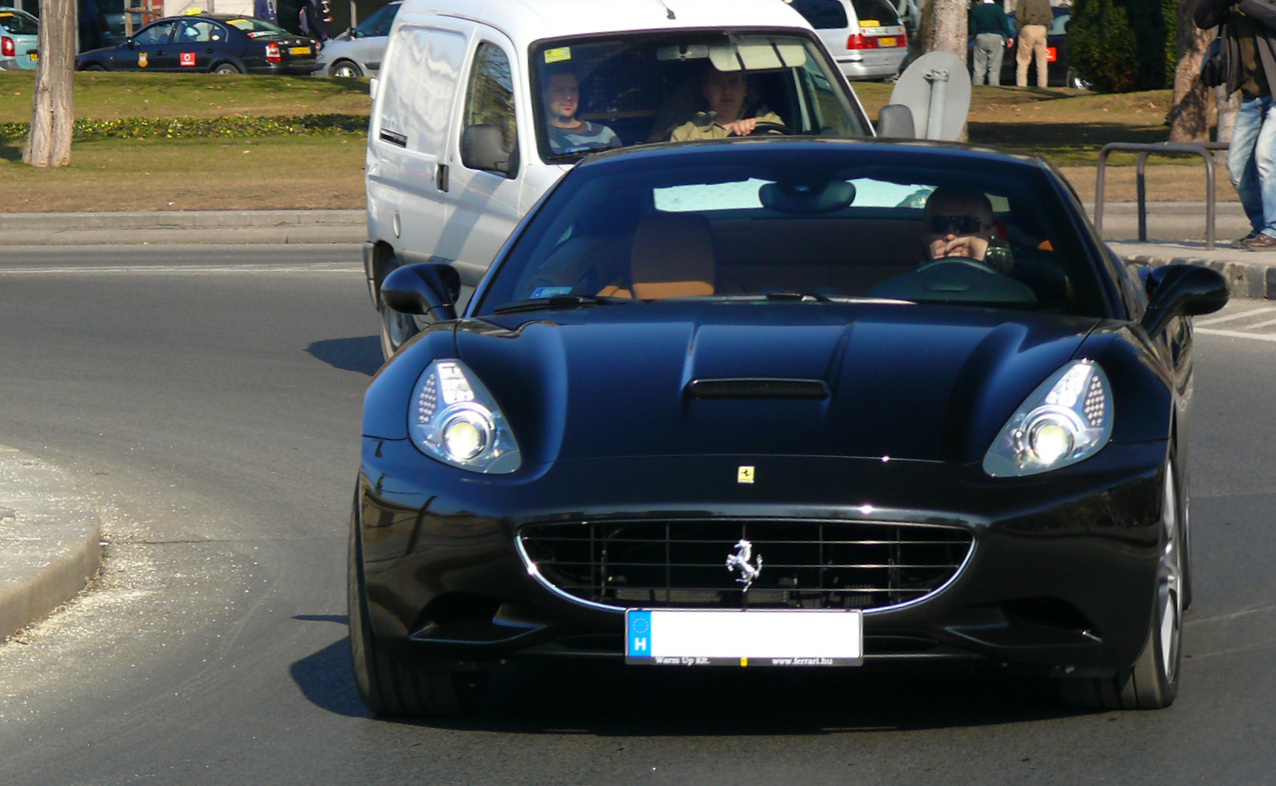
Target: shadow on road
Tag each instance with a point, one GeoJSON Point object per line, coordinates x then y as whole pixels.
{"type": "Point", "coordinates": [325, 677]}
{"type": "Point", "coordinates": [362, 355]}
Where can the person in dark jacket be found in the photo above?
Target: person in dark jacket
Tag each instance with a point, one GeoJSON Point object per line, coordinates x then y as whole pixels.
{"type": "Point", "coordinates": [993, 34]}
{"type": "Point", "coordinates": [1034, 18]}
{"type": "Point", "coordinates": [1248, 35]}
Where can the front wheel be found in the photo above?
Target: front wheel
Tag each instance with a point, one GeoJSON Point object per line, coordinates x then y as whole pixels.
{"type": "Point", "coordinates": [345, 70]}
{"type": "Point", "coordinates": [396, 328]}
{"type": "Point", "coordinates": [226, 68]}
{"type": "Point", "coordinates": [390, 686]}
{"type": "Point", "coordinates": [93, 67]}
{"type": "Point", "coordinates": [1152, 682]}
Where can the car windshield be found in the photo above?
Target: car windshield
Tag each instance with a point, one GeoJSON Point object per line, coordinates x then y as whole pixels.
{"type": "Point", "coordinates": [603, 92]}
{"type": "Point", "coordinates": [18, 23]}
{"type": "Point", "coordinates": [759, 222]}
{"type": "Point", "coordinates": [256, 28]}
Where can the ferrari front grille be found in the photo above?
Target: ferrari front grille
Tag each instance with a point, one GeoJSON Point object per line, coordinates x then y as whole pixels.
{"type": "Point", "coordinates": [803, 564]}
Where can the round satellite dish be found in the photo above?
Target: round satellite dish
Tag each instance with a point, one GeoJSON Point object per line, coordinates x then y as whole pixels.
{"type": "Point", "coordinates": [936, 83]}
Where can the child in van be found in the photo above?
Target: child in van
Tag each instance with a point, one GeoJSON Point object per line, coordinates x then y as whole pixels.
{"type": "Point", "coordinates": [567, 134]}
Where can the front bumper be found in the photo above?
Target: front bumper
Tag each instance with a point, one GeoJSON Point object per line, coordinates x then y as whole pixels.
{"type": "Point", "coordinates": [1060, 577]}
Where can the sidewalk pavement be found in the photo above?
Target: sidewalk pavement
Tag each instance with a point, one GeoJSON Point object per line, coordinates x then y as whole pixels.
{"type": "Point", "coordinates": [49, 534]}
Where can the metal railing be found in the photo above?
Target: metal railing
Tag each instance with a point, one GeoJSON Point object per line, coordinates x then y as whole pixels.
{"type": "Point", "coordinates": [1203, 149]}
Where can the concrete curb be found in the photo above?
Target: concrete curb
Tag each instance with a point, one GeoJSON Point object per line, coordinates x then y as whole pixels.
{"type": "Point", "coordinates": [183, 226]}
{"type": "Point", "coordinates": [50, 540]}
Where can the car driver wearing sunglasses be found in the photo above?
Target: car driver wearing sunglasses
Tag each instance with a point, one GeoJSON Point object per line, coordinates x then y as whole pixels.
{"type": "Point", "coordinates": [958, 223]}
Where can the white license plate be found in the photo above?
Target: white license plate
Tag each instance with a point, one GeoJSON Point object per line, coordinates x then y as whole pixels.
{"type": "Point", "coordinates": [761, 637]}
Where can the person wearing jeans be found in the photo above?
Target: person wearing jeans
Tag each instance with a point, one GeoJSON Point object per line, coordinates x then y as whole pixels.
{"type": "Point", "coordinates": [1247, 30]}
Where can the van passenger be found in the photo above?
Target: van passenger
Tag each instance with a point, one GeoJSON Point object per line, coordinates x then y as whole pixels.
{"type": "Point", "coordinates": [567, 134]}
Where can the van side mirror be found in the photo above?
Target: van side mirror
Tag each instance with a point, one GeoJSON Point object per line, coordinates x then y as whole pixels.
{"type": "Point", "coordinates": [895, 121]}
{"type": "Point", "coordinates": [1181, 291]}
{"type": "Point", "coordinates": [483, 148]}
{"type": "Point", "coordinates": [429, 288]}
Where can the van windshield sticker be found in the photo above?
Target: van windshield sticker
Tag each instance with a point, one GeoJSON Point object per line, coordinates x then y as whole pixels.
{"type": "Point", "coordinates": [558, 55]}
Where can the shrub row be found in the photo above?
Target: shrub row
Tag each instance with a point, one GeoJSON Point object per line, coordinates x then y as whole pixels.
{"type": "Point", "coordinates": [237, 126]}
{"type": "Point", "coordinates": [1120, 46]}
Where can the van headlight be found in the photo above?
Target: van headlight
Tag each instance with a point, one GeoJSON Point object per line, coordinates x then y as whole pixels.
{"type": "Point", "coordinates": [455, 420]}
{"type": "Point", "coordinates": [1067, 419]}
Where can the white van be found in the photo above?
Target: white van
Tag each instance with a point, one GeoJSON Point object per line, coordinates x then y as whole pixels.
{"type": "Point", "coordinates": [867, 38]}
{"type": "Point", "coordinates": [458, 149]}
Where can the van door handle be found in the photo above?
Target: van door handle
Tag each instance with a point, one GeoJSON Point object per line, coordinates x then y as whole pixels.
{"type": "Point", "coordinates": [440, 176]}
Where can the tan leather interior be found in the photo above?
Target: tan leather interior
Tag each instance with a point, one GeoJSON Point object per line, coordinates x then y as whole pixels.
{"type": "Point", "coordinates": [672, 256]}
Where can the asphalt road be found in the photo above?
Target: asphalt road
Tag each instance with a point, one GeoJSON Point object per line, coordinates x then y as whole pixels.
{"type": "Point", "coordinates": [209, 399]}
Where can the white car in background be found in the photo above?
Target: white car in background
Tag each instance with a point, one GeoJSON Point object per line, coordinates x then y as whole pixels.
{"type": "Point", "coordinates": [867, 38]}
{"type": "Point", "coordinates": [358, 51]}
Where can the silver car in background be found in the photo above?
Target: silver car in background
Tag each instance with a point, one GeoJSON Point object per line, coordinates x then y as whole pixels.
{"type": "Point", "coordinates": [358, 51]}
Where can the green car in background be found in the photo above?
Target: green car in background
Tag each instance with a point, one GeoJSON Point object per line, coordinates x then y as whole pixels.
{"type": "Point", "coordinates": [19, 32]}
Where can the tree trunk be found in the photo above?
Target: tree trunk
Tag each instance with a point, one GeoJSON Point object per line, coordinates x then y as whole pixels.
{"type": "Point", "coordinates": [53, 116]}
{"type": "Point", "coordinates": [1189, 114]}
{"type": "Point", "coordinates": [950, 27]}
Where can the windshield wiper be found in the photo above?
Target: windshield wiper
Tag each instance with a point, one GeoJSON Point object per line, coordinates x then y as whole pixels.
{"type": "Point", "coordinates": [790, 295]}
{"type": "Point", "coordinates": [558, 302]}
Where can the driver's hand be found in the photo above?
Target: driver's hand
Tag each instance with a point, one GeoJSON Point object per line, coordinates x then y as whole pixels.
{"type": "Point", "coordinates": [743, 127]}
{"type": "Point", "coordinates": [967, 246]}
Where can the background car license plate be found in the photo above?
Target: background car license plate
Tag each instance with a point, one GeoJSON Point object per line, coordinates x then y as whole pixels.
{"type": "Point", "coordinates": [687, 637]}
{"type": "Point", "coordinates": [886, 41]}
{"type": "Point", "coordinates": [300, 50]}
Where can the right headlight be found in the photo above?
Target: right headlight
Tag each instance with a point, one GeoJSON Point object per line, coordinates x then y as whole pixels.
{"type": "Point", "coordinates": [455, 420]}
{"type": "Point", "coordinates": [1067, 419]}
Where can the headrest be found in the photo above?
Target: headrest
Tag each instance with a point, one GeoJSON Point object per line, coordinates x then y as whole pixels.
{"type": "Point", "coordinates": [673, 256]}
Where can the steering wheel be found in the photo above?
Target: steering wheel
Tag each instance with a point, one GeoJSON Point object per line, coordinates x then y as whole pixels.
{"type": "Point", "coordinates": [766, 128]}
{"type": "Point", "coordinates": [967, 261]}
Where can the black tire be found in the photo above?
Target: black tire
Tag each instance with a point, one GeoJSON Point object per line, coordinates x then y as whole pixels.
{"type": "Point", "coordinates": [226, 68]}
{"type": "Point", "coordinates": [396, 328]}
{"type": "Point", "coordinates": [345, 69]}
{"type": "Point", "coordinates": [389, 686]}
{"type": "Point", "coordinates": [93, 67]}
{"type": "Point", "coordinates": [1152, 683]}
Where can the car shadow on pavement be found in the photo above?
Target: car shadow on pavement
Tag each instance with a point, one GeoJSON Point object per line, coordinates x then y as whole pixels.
{"type": "Point", "coordinates": [362, 354]}
{"type": "Point", "coordinates": [325, 678]}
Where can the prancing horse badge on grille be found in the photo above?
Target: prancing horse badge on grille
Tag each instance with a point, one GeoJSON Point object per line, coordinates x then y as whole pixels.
{"type": "Point", "coordinates": [740, 559]}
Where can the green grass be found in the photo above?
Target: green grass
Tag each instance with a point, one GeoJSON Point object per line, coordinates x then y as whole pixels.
{"type": "Point", "coordinates": [105, 96]}
{"type": "Point", "coordinates": [259, 142]}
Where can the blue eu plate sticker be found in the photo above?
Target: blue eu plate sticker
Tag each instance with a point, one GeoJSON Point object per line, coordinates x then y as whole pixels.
{"type": "Point", "coordinates": [542, 292]}
{"type": "Point", "coordinates": [638, 634]}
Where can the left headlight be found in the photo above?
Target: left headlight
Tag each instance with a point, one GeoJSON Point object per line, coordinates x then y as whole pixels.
{"type": "Point", "coordinates": [455, 420]}
{"type": "Point", "coordinates": [1067, 419]}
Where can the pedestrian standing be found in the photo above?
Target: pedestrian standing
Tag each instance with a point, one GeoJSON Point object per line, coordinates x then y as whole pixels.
{"type": "Point", "coordinates": [1248, 34]}
{"type": "Point", "coordinates": [1033, 18]}
{"type": "Point", "coordinates": [993, 35]}
{"type": "Point", "coordinates": [266, 9]}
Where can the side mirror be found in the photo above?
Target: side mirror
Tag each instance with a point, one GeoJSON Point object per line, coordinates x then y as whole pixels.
{"type": "Point", "coordinates": [429, 288]}
{"type": "Point", "coordinates": [1181, 291]}
{"type": "Point", "coordinates": [483, 148]}
{"type": "Point", "coordinates": [895, 121]}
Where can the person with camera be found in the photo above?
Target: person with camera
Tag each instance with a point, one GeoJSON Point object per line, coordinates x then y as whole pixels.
{"type": "Point", "coordinates": [1247, 33]}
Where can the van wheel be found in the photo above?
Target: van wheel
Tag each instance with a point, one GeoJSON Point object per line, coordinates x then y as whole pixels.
{"type": "Point", "coordinates": [396, 328]}
{"type": "Point", "coordinates": [345, 70]}
{"type": "Point", "coordinates": [1153, 681]}
{"type": "Point", "coordinates": [391, 686]}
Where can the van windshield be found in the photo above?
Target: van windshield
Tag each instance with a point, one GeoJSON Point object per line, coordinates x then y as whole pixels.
{"type": "Point", "coordinates": [603, 92]}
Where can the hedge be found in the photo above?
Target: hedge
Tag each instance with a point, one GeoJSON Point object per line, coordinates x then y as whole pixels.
{"type": "Point", "coordinates": [232, 127]}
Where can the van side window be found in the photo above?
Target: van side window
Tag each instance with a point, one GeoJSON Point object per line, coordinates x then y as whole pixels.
{"type": "Point", "coordinates": [489, 99]}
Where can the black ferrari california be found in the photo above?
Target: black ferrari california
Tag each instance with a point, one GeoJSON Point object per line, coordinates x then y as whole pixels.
{"type": "Point", "coordinates": [783, 403]}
